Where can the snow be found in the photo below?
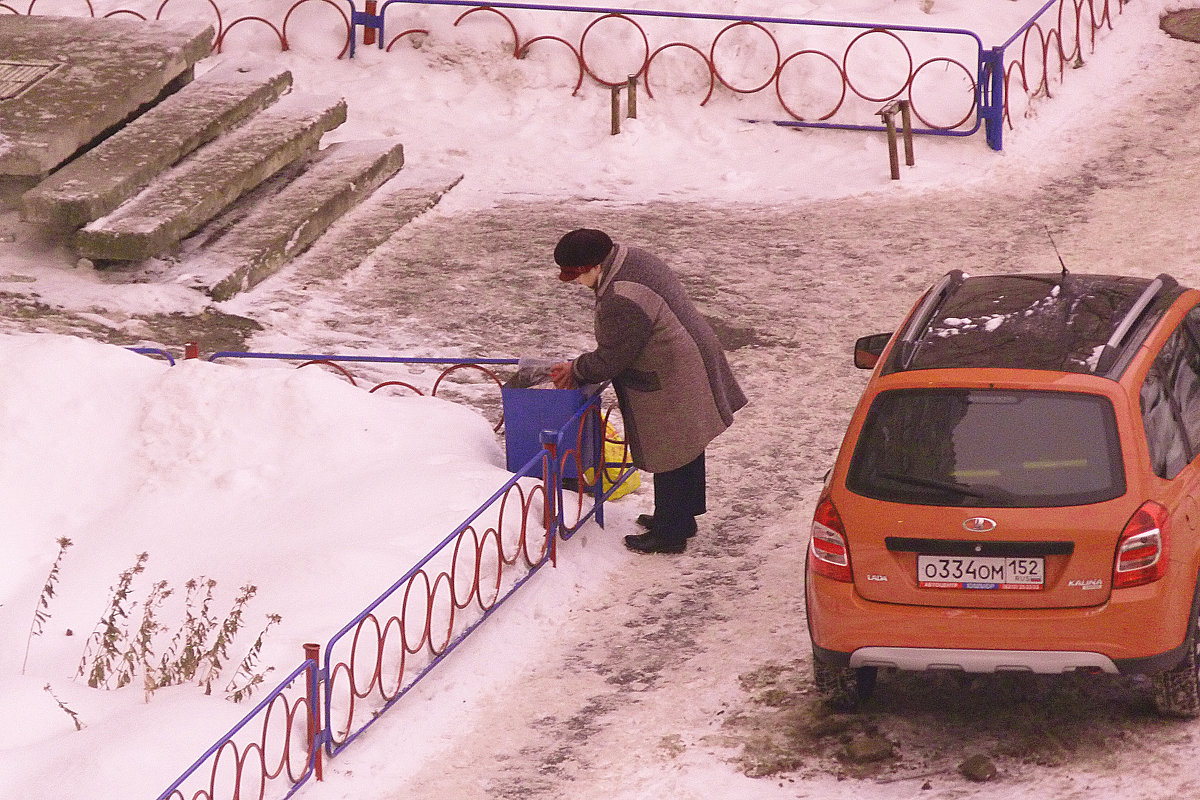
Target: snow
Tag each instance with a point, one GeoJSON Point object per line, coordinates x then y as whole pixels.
{"type": "Point", "coordinates": [217, 472]}
{"type": "Point", "coordinates": [320, 494]}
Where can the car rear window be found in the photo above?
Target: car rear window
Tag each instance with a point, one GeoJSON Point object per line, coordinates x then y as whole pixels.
{"type": "Point", "coordinates": [988, 448]}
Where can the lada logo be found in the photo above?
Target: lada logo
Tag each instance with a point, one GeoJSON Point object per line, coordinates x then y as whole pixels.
{"type": "Point", "coordinates": [979, 524]}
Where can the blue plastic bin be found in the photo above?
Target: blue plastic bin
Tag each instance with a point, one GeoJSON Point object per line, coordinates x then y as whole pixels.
{"type": "Point", "coordinates": [528, 412]}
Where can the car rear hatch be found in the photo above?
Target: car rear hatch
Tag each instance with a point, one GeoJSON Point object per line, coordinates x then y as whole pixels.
{"type": "Point", "coordinates": [985, 498]}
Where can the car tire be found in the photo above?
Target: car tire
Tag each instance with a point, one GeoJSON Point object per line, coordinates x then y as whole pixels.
{"type": "Point", "coordinates": [843, 688]}
{"type": "Point", "coordinates": [1176, 692]}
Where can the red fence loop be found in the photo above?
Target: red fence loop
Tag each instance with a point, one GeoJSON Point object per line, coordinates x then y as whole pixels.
{"type": "Point", "coordinates": [385, 384]}
{"type": "Point", "coordinates": [283, 29]}
{"type": "Point", "coordinates": [516, 49]}
{"type": "Point", "coordinates": [451, 370]}
{"type": "Point", "coordinates": [220, 43]}
{"type": "Point", "coordinates": [707, 67]}
{"type": "Point", "coordinates": [712, 57]}
{"type": "Point", "coordinates": [578, 57]}
{"type": "Point", "coordinates": [409, 32]}
{"type": "Point", "coordinates": [333, 365]}
{"type": "Point", "coordinates": [912, 101]}
{"type": "Point", "coordinates": [903, 77]}
{"type": "Point", "coordinates": [220, 26]}
{"type": "Point", "coordinates": [622, 79]}
{"type": "Point", "coordinates": [779, 83]}
{"type": "Point", "coordinates": [91, 9]}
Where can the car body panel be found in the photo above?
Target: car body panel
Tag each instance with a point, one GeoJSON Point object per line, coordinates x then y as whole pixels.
{"type": "Point", "coordinates": [1078, 611]}
{"type": "Point", "coordinates": [842, 621]}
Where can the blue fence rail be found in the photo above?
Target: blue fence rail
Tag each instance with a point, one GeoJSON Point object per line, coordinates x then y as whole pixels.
{"type": "Point", "coordinates": [372, 662]}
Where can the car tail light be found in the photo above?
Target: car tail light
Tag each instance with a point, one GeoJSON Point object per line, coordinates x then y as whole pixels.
{"type": "Point", "coordinates": [1142, 549]}
{"type": "Point", "coordinates": [828, 553]}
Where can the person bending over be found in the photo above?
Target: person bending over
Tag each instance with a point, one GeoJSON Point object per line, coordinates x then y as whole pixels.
{"type": "Point", "coordinates": [674, 386]}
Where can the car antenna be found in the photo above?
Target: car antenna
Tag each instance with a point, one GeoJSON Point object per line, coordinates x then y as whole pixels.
{"type": "Point", "coordinates": [1055, 246]}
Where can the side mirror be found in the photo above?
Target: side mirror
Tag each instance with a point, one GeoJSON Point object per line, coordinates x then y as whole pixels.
{"type": "Point", "coordinates": [868, 349]}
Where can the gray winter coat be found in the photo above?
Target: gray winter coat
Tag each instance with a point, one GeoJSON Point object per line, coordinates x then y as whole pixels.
{"type": "Point", "coordinates": [673, 384]}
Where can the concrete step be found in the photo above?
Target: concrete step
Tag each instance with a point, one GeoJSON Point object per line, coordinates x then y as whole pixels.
{"type": "Point", "coordinates": [182, 199]}
{"type": "Point", "coordinates": [98, 181]}
{"type": "Point", "coordinates": [350, 241]}
{"type": "Point", "coordinates": [205, 262]}
{"type": "Point", "coordinates": [87, 76]}
{"type": "Point", "coordinates": [285, 224]}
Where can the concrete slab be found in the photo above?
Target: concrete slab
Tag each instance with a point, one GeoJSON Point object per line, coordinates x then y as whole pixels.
{"type": "Point", "coordinates": [185, 197]}
{"type": "Point", "coordinates": [93, 75]}
{"type": "Point", "coordinates": [287, 223]}
{"type": "Point", "coordinates": [347, 243]}
{"type": "Point", "coordinates": [101, 179]}
{"type": "Point", "coordinates": [412, 192]}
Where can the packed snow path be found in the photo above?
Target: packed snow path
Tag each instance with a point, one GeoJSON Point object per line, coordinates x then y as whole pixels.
{"type": "Point", "coordinates": [679, 664]}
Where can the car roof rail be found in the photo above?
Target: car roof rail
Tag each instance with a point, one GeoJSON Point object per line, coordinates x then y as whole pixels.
{"type": "Point", "coordinates": [910, 337]}
{"type": "Point", "coordinates": [1106, 364]}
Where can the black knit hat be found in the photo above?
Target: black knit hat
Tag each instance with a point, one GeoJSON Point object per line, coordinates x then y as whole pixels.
{"type": "Point", "coordinates": [584, 247]}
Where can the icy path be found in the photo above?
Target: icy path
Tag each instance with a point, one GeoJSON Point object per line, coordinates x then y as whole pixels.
{"type": "Point", "coordinates": [678, 667]}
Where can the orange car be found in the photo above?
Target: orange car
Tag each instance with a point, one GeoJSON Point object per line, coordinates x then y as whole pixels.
{"type": "Point", "coordinates": [1017, 490]}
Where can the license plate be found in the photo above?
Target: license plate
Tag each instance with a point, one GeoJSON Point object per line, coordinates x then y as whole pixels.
{"type": "Point", "coordinates": [980, 572]}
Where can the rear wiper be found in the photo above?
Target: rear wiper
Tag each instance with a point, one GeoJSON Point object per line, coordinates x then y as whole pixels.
{"type": "Point", "coordinates": [981, 490]}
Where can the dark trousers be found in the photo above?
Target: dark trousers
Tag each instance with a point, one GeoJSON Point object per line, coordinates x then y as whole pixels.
{"type": "Point", "coordinates": [678, 500]}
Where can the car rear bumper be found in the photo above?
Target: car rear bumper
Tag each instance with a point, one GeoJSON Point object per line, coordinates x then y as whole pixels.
{"type": "Point", "coordinates": [923, 658]}
{"type": "Point", "coordinates": [850, 631]}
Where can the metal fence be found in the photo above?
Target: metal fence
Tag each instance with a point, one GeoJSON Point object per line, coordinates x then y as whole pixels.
{"type": "Point", "coordinates": [813, 73]}
{"type": "Point", "coordinates": [275, 746]}
{"type": "Point", "coordinates": [344, 686]}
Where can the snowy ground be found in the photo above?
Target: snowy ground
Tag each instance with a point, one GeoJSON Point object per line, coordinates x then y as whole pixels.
{"type": "Point", "coordinates": [626, 677]}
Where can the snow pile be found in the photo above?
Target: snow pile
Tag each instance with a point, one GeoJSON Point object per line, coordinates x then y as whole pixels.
{"type": "Point", "coordinates": [315, 492]}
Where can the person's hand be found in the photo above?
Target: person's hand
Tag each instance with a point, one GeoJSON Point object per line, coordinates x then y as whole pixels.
{"type": "Point", "coordinates": [560, 373]}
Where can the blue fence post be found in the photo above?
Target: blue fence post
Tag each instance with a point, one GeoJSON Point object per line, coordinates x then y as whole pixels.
{"type": "Point", "coordinates": [369, 20]}
{"type": "Point", "coordinates": [991, 95]}
{"type": "Point", "coordinates": [552, 482]}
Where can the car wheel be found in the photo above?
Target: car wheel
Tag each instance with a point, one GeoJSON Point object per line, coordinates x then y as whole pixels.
{"type": "Point", "coordinates": [843, 688]}
{"type": "Point", "coordinates": [1176, 692]}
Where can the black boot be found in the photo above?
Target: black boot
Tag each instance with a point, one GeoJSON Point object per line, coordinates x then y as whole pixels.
{"type": "Point", "coordinates": [647, 522]}
{"type": "Point", "coordinates": [653, 542]}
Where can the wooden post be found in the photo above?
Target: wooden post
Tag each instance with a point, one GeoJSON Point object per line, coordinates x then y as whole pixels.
{"type": "Point", "coordinates": [893, 156]}
{"type": "Point", "coordinates": [888, 113]}
{"type": "Point", "coordinates": [616, 110]}
{"type": "Point", "coordinates": [906, 127]}
{"type": "Point", "coordinates": [631, 90]}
